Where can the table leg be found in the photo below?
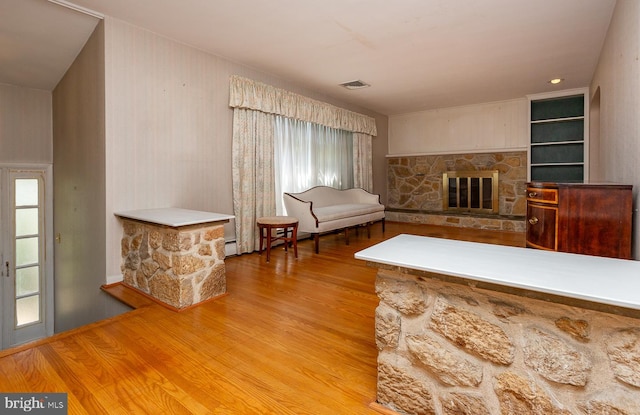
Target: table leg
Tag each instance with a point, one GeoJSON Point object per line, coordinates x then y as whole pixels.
{"type": "Point", "coordinates": [294, 236]}
{"type": "Point", "coordinates": [286, 239]}
{"type": "Point", "coordinates": [261, 230]}
{"type": "Point", "coordinates": [268, 242]}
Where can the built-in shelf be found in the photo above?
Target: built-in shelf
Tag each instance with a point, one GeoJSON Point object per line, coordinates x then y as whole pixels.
{"type": "Point", "coordinates": [558, 137]}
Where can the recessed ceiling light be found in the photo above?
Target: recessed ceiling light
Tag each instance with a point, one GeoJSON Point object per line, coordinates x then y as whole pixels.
{"type": "Point", "coordinates": [556, 81]}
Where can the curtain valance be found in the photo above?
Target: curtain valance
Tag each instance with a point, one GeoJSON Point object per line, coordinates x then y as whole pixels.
{"type": "Point", "coordinates": [249, 94]}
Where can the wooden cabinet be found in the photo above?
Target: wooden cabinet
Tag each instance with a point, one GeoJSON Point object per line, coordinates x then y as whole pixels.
{"type": "Point", "coordinates": [591, 219]}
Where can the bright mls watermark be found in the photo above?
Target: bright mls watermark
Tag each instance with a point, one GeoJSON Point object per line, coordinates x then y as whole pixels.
{"type": "Point", "coordinates": [34, 403]}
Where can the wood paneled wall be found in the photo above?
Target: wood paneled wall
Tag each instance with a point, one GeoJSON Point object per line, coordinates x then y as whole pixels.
{"type": "Point", "coordinates": [493, 126]}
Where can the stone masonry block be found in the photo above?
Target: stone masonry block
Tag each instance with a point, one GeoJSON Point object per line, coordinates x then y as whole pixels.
{"type": "Point", "coordinates": [518, 396]}
{"type": "Point", "coordinates": [579, 329]}
{"type": "Point", "coordinates": [388, 327]}
{"type": "Point", "coordinates": [555, 359]}
{"type": "Point", "coordinates": [405, 296]}
{"type": "Point", "coordinates": [472, 333]}
{"type": "Point", "coordinates": [623, 349]}
{"type": "Point", "coordinates": [448, 366]}
{"type": "Point", "coordinates": [413, 398]}
{"type": "Point", "coordinates": [460, 403]}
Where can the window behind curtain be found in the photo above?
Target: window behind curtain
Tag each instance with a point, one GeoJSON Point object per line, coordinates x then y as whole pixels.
{"type": "Point", "coordinates": [308, 155]}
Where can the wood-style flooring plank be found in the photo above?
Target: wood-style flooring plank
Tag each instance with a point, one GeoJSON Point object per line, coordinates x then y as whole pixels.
{"type": "Point", "coordinates": [293, 336]}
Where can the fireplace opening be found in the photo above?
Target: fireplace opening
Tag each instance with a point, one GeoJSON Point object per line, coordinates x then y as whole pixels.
{"type": "Point", "coordinates": [470, 191]}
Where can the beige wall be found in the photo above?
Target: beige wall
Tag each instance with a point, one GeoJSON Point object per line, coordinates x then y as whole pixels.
{"type": "Point", "coordinates": [168, 134]}
{"type": "Point", "coordinates": [25, 125]}
{"type": "Point", "coordinates": [79, 190]}
{"type": "Point", "coordinates": [617, 78]}
{"type": "Point", "coordinates": [483, 127]}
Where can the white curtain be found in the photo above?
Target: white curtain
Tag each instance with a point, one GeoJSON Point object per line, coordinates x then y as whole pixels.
{"type": "Point", "coordinates": [255, 107]}
{"type": "Point", "coordinates": [362, 161]}
{"type": "Point", "coordinates": [252, 174]}
{"type": "Point", "coordinates": [308, 155]}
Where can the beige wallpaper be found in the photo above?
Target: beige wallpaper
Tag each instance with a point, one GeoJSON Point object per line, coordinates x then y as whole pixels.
{"type": "Point", "coordinates": [168, 134]}
{"type": "Point", "coordinates": [25, 125]}
{"type": "Point", "coordinates": [617, 78]}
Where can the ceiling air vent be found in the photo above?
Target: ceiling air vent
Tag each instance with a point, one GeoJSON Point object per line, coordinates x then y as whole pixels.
{"type": "Point", "coordinates": [355, 84]}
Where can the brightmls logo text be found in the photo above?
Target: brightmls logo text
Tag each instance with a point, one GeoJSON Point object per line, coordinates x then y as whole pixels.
{"type": "Point", "coordinates": [33, 403]}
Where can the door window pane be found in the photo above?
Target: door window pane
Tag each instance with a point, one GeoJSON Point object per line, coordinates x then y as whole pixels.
{"type": "Point", "coordinates": [27, 281]}
{"type": "Point", "coordinates": [26, 192]}
{"type": "Point", "coordinates": [26, 251]}
{"type": "Point", "coordinates": [27, 310]}
{"type": "Point", "coordinates": [26, 221]}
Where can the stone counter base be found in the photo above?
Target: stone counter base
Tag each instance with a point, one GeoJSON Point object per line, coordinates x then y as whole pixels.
{"type": "Point", "coordinates": [178, 266]}
{"type": "Point", "coordinates": [453, 349]}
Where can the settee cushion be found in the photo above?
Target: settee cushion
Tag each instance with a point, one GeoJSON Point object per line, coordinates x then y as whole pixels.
{"type": "Point", "coordinates": [335, 212]}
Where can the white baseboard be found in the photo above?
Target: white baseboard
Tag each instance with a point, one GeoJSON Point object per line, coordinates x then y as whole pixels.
{"type": "Point", "coordinates": [112, 279]}
{"type": "Point", "coordinates": [230, 248]}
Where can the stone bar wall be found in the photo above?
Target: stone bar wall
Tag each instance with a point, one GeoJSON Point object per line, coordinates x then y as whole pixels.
{"type": "Point", "coordinates": [178, 266]}
{"type": "Point", "coordinates": [414, 186]}
{"type": "Point", "coordinates": [453, 349]}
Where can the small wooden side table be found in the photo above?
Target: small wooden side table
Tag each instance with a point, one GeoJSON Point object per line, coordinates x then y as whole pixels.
{"type": "Point", "coordinates": [268, 223]}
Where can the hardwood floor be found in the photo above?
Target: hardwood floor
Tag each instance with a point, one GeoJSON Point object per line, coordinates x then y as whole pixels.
{"type": "Point", "coordinates": [291, 337]}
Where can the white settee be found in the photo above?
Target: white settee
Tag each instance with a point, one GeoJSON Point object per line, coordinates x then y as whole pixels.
{"type": "Point", "coordinates": [324, 209]}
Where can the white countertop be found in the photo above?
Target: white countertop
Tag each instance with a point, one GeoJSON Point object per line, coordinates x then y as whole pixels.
{"type": "Point", "coordinates": [174, 216]}
{"type": "Point", "coordinates": [601, 280]}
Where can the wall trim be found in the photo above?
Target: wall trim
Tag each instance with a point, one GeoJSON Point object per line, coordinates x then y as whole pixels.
{"type": "Point", "coordinates": [454, 152]}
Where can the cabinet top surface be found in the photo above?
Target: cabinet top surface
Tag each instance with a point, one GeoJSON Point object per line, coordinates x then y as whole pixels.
{"type": "Point", "coordinates": [608, 281]}
{"type": "Point", "coordinates": [174, 217]}
{"type": "Point", "coordinates": [552, 185]}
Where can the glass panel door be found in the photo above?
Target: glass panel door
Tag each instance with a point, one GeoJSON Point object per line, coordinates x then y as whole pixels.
{"type": "Point", "coordinates": [23, 248]}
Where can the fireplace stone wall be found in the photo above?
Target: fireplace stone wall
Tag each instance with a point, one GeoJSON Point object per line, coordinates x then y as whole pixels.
{"type": "Point", "coordinates": [414, 186]}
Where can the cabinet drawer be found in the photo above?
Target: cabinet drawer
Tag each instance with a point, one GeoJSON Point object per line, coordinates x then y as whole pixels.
{"type": "Point", "coordinates": [542, 195]}
{"type": "Point", "coordinates": [542, 223]}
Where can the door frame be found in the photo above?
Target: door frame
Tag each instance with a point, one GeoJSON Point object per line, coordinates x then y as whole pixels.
{"type": "Point", "coordinates": [8, 337]}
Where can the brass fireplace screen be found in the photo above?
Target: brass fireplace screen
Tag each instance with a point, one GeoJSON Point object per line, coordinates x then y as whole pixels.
{"type": "Point", "coordinates": [470, 191]}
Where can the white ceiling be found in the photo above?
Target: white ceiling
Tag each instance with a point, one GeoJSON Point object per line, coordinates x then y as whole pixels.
{"type": "Point", "coordinates": [416, 54]}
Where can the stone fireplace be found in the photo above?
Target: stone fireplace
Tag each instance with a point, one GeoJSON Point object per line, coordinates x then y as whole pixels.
{"type": "Point", "coordinates": [416, 188]}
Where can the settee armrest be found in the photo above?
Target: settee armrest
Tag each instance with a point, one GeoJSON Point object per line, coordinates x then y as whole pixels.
{"type": "Point", "coordinates": [303, 210]}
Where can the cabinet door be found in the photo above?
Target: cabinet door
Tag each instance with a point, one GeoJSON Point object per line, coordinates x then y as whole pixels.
{"type": "Point", "coordinates": [596, 220]}
{"type": "Point", "coordinates": [542, 222]}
